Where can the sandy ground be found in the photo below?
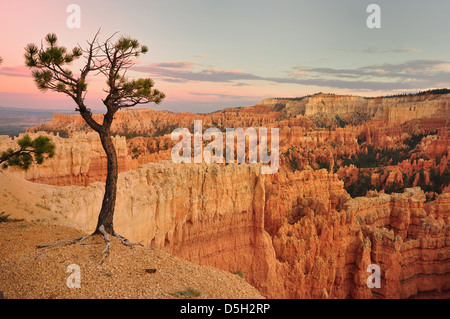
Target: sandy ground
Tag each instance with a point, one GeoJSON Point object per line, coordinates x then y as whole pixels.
{"type": "Point", "coordinates": [121, 275]}
{"type": "Point", "coordinates": [21, 198]}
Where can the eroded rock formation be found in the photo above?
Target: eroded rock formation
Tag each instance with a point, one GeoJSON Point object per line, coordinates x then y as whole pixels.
{"type": "Point", "coordinates": [293, 235]}
{"type": "Point", "coordinates": [79, 160]}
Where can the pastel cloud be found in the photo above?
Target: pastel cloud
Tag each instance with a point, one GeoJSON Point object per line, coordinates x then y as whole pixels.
{"type": "Point", "coordinates": [396, 50]}
{"type": "Point", "coordinates": [378, 50]}
{"type": "Point", "coordinates": [414, 74]}
{"type": "Point", "coordinates": [176, 65]}
{"type": "Point", "coordinates": [224, 95]}
{"type": "Point", "coordinates": [16, 71]}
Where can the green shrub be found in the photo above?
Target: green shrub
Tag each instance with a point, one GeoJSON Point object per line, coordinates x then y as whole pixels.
{"type": "Point", "coordinates": [5, 218]}
{"type": "Point", "coordinates": [186, 294]}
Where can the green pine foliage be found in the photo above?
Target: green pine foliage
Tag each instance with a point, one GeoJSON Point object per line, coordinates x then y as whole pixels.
{"type": "Point", "coordinates": [49, 65]}
{"type": "Point", "coordinates": [29, 152]}
{"type": "Point", "coordinates": [361, 185]}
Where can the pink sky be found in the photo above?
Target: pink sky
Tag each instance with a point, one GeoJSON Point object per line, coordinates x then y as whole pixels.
{"type": "Point", "coordinates": [208, 55]}
{"type": "Point", "coordinates": [30, 21]}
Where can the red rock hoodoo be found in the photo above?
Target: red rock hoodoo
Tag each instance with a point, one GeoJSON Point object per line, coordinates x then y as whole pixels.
{"type": "Point", "coordinates": [361, 181]}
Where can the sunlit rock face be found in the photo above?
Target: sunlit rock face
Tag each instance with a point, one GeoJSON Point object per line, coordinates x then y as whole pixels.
{"type": "Point", "coordinates": [79, 160]}
{"type": "Point", "coordinates": [294, 234]}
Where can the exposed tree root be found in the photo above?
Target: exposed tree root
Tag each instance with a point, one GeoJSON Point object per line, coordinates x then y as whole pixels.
{"type": "Point", "coordinates": [126, 242]}
{"type": "Point", "coordinates": [67, 242]}
{"type": "Point", "coordinates": [105, 251]}
{"type": "Point", "coordinates": [70, 242]}
{"type": "Point", "coordinates": [106, 237]}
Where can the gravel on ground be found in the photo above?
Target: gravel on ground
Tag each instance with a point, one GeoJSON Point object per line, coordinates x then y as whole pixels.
{"type": "Point", "coordinates": [127, 273]}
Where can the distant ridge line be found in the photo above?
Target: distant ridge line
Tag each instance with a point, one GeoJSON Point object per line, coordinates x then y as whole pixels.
{"type": "Point", "coordinates": [431, 91]}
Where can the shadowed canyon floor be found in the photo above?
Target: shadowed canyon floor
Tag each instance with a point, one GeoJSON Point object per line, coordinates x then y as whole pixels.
{"type": "Point", "coordinates": [361, 182]}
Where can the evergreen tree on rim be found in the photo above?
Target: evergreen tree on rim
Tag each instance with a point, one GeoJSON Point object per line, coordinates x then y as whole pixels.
{"type": "Point", "coordinates": [111, 60]}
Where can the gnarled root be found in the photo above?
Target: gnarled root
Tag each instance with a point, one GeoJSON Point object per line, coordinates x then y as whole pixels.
{"type": "Point", "coordinates": [106, 237]}
{"type": "Point", "coordinates": [69, 242]}
{"type": "Point", "coordinates": [125, 241]}
{"type": "Point", "coordinates": [105, 251]}
{"type": "Point", "coordinates": [122, 239]}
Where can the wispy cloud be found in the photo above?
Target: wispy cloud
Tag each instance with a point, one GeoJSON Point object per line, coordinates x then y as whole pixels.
{"type": "Point", "coordinates": [414, 69]}
{"type": "Point", "coordinates": [378, 50]}
{"type": "Point", "coordinates": [414, 74]}
{"type": "Point", "coordinates": [407, 75]}
{"type": "Point", "coordinates": [224, 95]}
{"type": "Point", "coordinates": [398, 50]}
{"type": "Point", "coordinates": [171, 74]}
{"type": "Point", "coordinates": [16, 71]}
{"type": "Point", "coordinates": [176, 65]}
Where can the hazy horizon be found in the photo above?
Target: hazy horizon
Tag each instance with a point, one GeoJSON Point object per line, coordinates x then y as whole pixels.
{"type": "Point", "coordinates": [100, 110]}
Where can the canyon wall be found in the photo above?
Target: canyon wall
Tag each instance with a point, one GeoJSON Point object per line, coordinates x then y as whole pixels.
{"type": "Point", "coordinates": [150, 123]}
{"type": "Point", "coordinates": [432, 109]}
{"type": "Point", "coordinates": [79, 160]}
{"type": "Point", "coordinates": [387, 110]}
{"type": "Point", "coordinates": [293, 235]}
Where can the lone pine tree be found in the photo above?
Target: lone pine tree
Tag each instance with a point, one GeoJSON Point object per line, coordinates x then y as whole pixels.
{"type": "Point", "coordinates": [111, 60]}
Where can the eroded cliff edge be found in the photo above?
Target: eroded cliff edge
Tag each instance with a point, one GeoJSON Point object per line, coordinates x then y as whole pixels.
{"type": "Point", "coordinates": [293, 234]}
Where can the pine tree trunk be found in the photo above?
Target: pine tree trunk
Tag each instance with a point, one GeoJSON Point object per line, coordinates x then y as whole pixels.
{"type": "Point", "coordinates": [105, 217]}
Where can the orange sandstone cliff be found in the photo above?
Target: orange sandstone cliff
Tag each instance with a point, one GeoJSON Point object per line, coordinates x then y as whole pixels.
{"type": "Point", "coordinates": [295, 234]}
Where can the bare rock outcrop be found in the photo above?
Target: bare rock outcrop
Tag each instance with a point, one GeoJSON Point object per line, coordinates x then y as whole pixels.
{"type": "Point", "coordinates": [293, 235]}
{"type": "Point", "coordinates": [79, 160]}
{"type": "Point", "coordinates": [353, 109]}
